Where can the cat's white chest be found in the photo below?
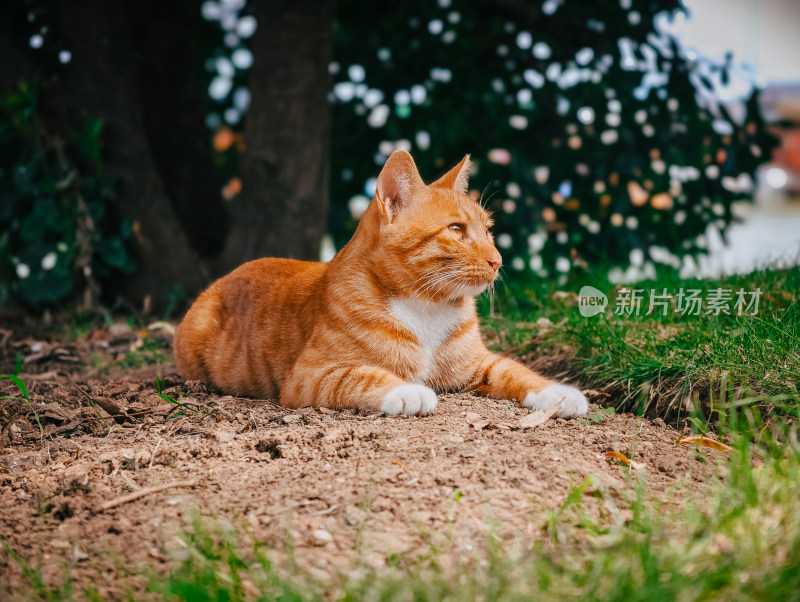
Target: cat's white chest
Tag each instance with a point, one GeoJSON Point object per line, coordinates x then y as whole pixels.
{"type": "Point", "coordinates": [431, 323]}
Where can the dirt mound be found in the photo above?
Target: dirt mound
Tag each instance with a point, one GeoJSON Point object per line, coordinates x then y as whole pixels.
{"type": "Point", "coordinates": [101, 494]}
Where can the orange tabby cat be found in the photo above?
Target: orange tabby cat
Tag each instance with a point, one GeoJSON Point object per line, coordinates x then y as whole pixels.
{"type": "Point", "coordinates": [385, 325]}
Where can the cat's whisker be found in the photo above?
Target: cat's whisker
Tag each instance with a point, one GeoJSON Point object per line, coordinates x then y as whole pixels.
{"type": "Point", "coordinates": [443, 289]}
{"type": "Point", "coordinates": [451, 267]}
{"type": "Point", "coordinates": [480, 200]}
{"type": "Point", "coordinates": [440, 288]}
{"type": "Point", "coordinates": [443, 283]}
{"type": "Point", "coordinates": [491, 196]}
{"type": "Point", "coordinates": [432, 277]}
{"type": "Point", "coordinates": [460, 288]}
{"type": "Point", "coordinates": [438, 278]}
{"type": "Point", "coordinates": [429, 274]}
{"type": "Point", "coordinates": [425, 286]}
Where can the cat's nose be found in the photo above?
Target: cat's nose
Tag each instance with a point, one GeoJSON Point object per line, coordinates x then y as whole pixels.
{"type": "Point", "coordinates": [495, 261]}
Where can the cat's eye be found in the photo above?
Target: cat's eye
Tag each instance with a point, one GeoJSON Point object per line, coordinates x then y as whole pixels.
{"type": "Point", "coordinates": [457, 229]}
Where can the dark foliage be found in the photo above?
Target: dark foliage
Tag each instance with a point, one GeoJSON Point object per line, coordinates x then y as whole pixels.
{"type": "Point", "coordinates": [57, 236]}
{"type": "Point", "coordinates": [593, 133]}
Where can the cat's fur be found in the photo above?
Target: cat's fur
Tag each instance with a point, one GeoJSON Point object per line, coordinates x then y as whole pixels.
{"type": "Point", "coordinates": [387, 324]}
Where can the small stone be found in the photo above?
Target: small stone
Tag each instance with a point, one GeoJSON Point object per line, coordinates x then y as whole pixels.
{"type": "Point", "coordinates": [120, 330]}
{"type": "Point", "coordinates": [322, 537]}
{"type": "Point", "coordinates": [78, 555]}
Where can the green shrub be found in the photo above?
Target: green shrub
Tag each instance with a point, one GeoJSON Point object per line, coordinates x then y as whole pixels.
{"type": "Point", "coordinates": [56, 235]}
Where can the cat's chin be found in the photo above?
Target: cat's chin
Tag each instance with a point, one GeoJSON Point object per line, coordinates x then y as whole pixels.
{"type": "Point", "coordinates": [472, 290]}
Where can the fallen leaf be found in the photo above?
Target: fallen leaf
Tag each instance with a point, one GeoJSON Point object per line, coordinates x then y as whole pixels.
{"type": "Point", "coordinates": [165, 326]}
{"type": "Point", "coordinates": [594, 394]}
{"type": "Point", "coordinates": [65, 355]}
{"type": "Point", "coordinates": [109, 406]}
{"type": "Point", "coordinates": [479, 425]}
{"type": "Point", "coordinates": [49, 375]}
{"type": "Point", "coordinates": [622, 458]}
{"type": "Point", "coordinates": [54, 411]}
{"type": "Point", "coordinates": [538, 417]}
{"type": "Point", "coordinates": [704, 442]}
{"type": "Point", "coordinates": [100, 336]}
{"type": "Point", "coordinates": [120, 330]}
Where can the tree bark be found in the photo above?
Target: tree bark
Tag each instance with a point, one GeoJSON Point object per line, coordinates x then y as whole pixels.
{"type": "Point", "coordinates": [173, 102]}
{"type": "Point", "coordinates": [282, 210]}
{"type": "Point", "coordinates": [101, 82]}
{"type": "Point", "coordinates": [15, 52]}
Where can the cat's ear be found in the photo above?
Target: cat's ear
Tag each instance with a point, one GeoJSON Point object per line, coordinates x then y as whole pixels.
{"type": "Point", "coordinates": [457, 178]}
{"type": "Point", "coordinates": [397, 183]}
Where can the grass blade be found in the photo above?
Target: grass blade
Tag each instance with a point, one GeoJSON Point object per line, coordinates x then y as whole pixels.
{"type": "Point", "coordinates": [21, 385]}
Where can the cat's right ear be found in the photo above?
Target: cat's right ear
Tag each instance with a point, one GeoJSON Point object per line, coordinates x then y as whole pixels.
{"type": "Point", "coordinates": [397, 183]}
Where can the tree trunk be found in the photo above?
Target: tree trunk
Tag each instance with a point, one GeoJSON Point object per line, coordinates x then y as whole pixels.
{"type": "Point", "coordinates": [173, 102]}
{"type": "Point", "coordinates": [138, 67]}
{"type": "Point", "coordinates": [15, 51]}
{"type": "Point", "coordinates": [282, 210]}
{"type": "Point", "coordinates": [101, 81]}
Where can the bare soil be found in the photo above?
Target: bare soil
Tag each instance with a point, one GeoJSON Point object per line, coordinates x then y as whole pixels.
{"type": "Point", "coordinates": [338, 486]}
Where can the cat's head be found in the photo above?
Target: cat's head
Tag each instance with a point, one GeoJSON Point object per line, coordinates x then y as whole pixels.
{"type": "Point", "coordinates": [433, 241]}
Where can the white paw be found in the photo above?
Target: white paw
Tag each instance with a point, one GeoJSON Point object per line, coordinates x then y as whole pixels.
{"type": "Point", "coordinates": [574, 403]}
{"type": "Point", "coordinates": [409, 399]}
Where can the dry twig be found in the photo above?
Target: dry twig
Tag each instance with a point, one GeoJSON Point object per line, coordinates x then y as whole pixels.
{"type": "Point", "coordinates": [124, 499]}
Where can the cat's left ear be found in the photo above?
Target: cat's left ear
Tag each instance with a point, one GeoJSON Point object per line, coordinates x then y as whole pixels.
{"type": "Point", "coordinates": [457, 178]}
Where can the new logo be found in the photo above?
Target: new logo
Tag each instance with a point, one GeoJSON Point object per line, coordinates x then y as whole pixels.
{"type": "Point", "coordinates": [591, 301]}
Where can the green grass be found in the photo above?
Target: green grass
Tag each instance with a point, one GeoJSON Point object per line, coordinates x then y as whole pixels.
{"type": "Point", "coordinates": [151, 353]}
{"type": "Point", "coordinates": [25, 397]}
{"type": "Point", "coordinates": [655, 363]}
{"type": "Point", "coordinates": [169, 398]}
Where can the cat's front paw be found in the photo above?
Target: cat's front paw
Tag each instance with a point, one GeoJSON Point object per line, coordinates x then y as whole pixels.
{"type": "Point", "coordinates": [574, 403]}
{"type": "Point", "coordinates": [409, 399]}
